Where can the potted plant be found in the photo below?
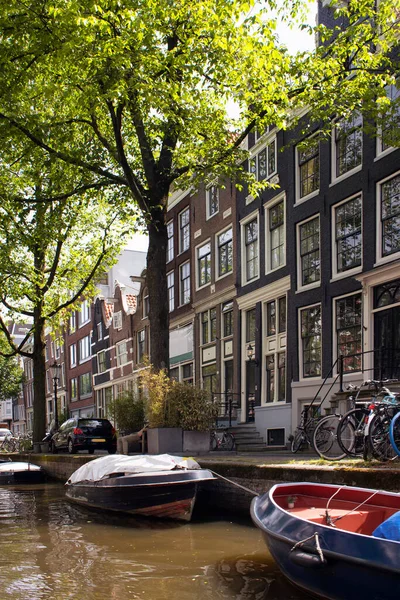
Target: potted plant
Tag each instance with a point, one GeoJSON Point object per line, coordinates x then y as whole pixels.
{"type": "Point", "coordinates": [127, 413]}
{"type": "Point", "coordinates": [197, 413]}
{"type": "Point", "coordinates": [291, 500]}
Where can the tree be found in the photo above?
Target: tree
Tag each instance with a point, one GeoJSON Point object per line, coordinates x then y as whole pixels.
{"type": "Point", "coordinates": [134, 92]}
{"type": "Point", "coordinates": [11, 375]}
{"type": "Point", "coordinates": [56, 235]}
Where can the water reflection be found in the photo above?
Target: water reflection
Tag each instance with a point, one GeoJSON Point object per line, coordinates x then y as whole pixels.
{"type": "Point", "coordinates": [52, 549]}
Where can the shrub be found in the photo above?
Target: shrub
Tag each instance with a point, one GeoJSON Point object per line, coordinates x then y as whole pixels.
{"type": "Point", "coordinates": [161, 410]}
{"type": "Point", "coordinates": [127, 410]}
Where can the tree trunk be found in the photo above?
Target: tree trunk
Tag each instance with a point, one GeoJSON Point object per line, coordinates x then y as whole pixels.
{"type": "Point", "coordinates": [156, 280]}
{"type": "Point", "coordinates": [39, 382]}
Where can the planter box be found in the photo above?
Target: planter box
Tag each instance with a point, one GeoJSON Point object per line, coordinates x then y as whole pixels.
{"type": "Point", "coordinates": [162, 440]}
{"type": "Point", "coordinates": [196, 442]}
{"type": "Point", "coordinates": [44, 447]}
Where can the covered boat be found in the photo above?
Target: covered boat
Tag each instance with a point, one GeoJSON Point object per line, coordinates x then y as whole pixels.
{"type": "Point", "coordinates": [154, 486]}
{"type": "Point", "coordinates": [20, 472]}
{"type": "Point", "coordinates": [330, 540]}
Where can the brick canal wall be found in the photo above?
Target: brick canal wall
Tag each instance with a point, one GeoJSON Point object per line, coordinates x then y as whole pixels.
{"type": "Point", "coordinates": [256, 477]}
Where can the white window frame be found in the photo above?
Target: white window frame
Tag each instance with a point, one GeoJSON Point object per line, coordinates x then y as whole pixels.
{"type": "Point", "coordinates": [101, 353]}
{"type": "Point", "coordinates": [267, 207]}
{"type": "Point", "coordinates": [350, 272]}
{"type": "Point", "coordinates": [180, 283]}
{"type": "Point", "coordinates": [172, 287]}
{"type": "Point", "coordinates": [299, 199]}
{"type": "Point", "coordinates": [84, 314]}
{"type": "Point", "coordinates": [117, 320]}
{"type": "Point", "coordinates": [181, 249]}
{"type": "Point", "coordinates": [256, 150]}
{"type": "Point", "coordinates": [170, 241]}
{"type": "Point", "coordinates": [207, 313]}
{"type": "Point", "coordinates": [301, 365]}
{"type": "Point", "coordinates": [216, 263]}
{"type": "Point", "coordinates": [85, 345]}
{"type": "Point", "coordinates": [380, 152]}
{"type": "Point", "coordinates": [334, 178]}
{"type": "Point", "coordinates": [315, 284]}
{"type": "Point", "coordinates": [142, 331]}
{"type": "Point", "coordinates": [197, 249]}
{"type": "Point", "coordinates": [380, 259]}
{"type": "Point", "coordinates": [72, 356]}
{"type": "Point", "coordinates": [255, 215]}
{"type": "Point", "coordinates": [209, 214]}
{"type": "Point", "coordinates": [119, 354]}
{"type": "Point", "coordinates": [99, 331]}
{"type": "Point", "coordinates": [349, 375]}
{"type": "Point", "coordinates": [145, 308]}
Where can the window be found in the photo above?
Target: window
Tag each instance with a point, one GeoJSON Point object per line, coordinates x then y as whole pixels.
{"type": "Point", "coordinates": [84, 315]}
{"type": "Point", "coordinates": [271, 318]}
{"type": "Point", "coordinates": [251, 249]}
{"type": "Point", "coordinates": [72, 355]}
{"type": "Point", "coordinates": [74, 389]}
{"type": "Point", "coordinates": [251, 325]}
{"type": "Point", "coordinates": [185, 283]}
{"type": "Point", "coordinates": [117, 320]}
{"type": "Point", "coordinates": [348, 240]}
{"type": "Point", "coordinates": [276, 316]}
{"type": "Point", "coordinates": [72, 322]}
{"type": "Point", "coordinates": [184, 230]}
{"type": "Point", "coordinates": [348, 145]}
{"type": "Point", "coordinates": [171, 291]}
{"type": "Point", "coordinates": [310, 324]}
{"type": "Point", "coordinates": [101, 361]}
{"type": "Point", "coordinates": [282, 315]}
{"type": "Point", "coordinates": [270, 378]}
{"type": "Point", "coordinates": [204, 264]}
{"type": "Point", "coordinates": [390, 215]}
{"type": "Point", "coordinates": [121, 352]}
{"type": "Point", "coordinates": [99, 331]}
{"type": "Point", "coordinates": [276, 239]}
{"type": "Point", "coordinates": [276, 377]}
{"type": "Point", "coordinates": [208, 326]}
{"type": "Point", "coordinates": [390, 119]}
{"type": "Point", "coordinates": [84, 348]}
{"type": "Point", "coordinates": [145, 306]}
{"type": "Point", "coordinates": [141, 340]}
{"type": "Point", "coordinates": [170, 242]}
{"type": "Point", "coordinates": [309, 252]}
{"type": "Point", "coordinates": [263, 164]}
{"type": "Point", "coordinates": [227, 319]}
{"type": "Point", "coordinates": [225, 252]}
{"type": "Point", "coordinates": [174, 374]}
{"type": "Point", "coordinates": [85, 384]}
{"type": "Point", "coordinates": [212, 195]}
{"type": "Point", "coordinates": [209, 376]}
{"type": "Point", "coordinates": [349, 332]}
{"type": "Point", "coordinates": [308, 168]}
{"type": "Point", "coordinates": [187, 373]}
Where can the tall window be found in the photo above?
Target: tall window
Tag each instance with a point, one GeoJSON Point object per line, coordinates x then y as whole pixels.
{"type": "Point", "coordinates": [263, 164]}
{"type": "Point", "coordinates": [310, 319]}
{"type": "Point", "coordinates": [72, 355]}
{"type": "Point", "coordinates": [204, 264]}
{"type": "Point", "coordinates": [276, 219]}
{"type": "Point", "coordinates": [348, 144]}
{"type": "Point", "coordinates": [308, 168]}
{"type": "Point", "coordinates": [251, 249]}
{"type": "Point", "coordinates": [72, 322]}
{"type": "Point", "coordinates": [170, 242]}
{"type": "Point", "coordinates": [101, 361]}
{"type": "Point", "coordinates": [84, 348]}
{"type": "Point", "coordinates": [209, 376]}
{"type": "Point", "coordinates": [225, 252]}
{"type": "Point", "coordinates": [185, 283]}
{"type": "Point", "coordinates": [99, 331]}
{"type": "Point", "coordinates": [84, 315]}
{"type": "Point", "coordinates": [146, 306]}
{"type": "Point", "coordinates": [171, 291]}
{"type": "Point", "coordinates": [310, 261]}
{"type": "Point", "coordinates": [276, 316]}
{"type": "Point", "coordinates": [391, 119]}
{"type": "Point", "coordinates": [208, 326]}
{"type": "Point", "coordinates": [85, 384]}
{"type": "Point", "coordinates": [184, 230]}
{"type": "Point", "coordinates": [74, 388]}
{"type": "Point", "coordinates": [251, 325]}
{"type": "Point", "coordinates": [390, 215]}
{"type": "Point", "coordinates": [212, 200]}
{"type": "Point", "coordinates": [141, 340]}
{"type": "Point", "coordinates": [227, 319]}
{"type": "Point", "coordinates": [121, 351]}
{"type": "Point", "coordinates": [348, 234]}
{"type": "Point", "coordinates": [349, 331]}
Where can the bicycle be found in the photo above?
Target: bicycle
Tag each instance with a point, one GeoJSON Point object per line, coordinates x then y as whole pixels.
{"type": "Point", "coordinates": [8, 444]}
{"type": "Point", "coordinates": [221, 439]}
{"type": "Point", "coordinates": [325, 438]}
{"type": "Point", "coordinates": [303, 434]}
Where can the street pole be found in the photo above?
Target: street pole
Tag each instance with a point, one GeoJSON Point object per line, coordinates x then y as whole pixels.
{"type": "Point", "coordinates": [55, 379]}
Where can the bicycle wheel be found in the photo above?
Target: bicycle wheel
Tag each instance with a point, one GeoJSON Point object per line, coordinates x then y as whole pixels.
{"type": "Point", "coordinates": [379, 438]}
{"type": "Point", "coordinates": [325, 438]}
{"type": "Point", "coordinates": [228, 441]}
{"type": "Point", "coordinates": [350, 433]}
{"type": "Point", "coordinates": [297, 441]}
{"type": "Point", "coordinates": [394, 433]}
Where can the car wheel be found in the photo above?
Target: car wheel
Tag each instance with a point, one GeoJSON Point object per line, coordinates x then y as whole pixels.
{"type": "Point", "coordinates": [91, 450]}
{"type": "Point", "coordinates": [71, 448]}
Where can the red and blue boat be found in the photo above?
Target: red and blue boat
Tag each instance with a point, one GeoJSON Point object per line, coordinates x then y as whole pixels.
{"type": "Point", "coordinates": [325, 539]}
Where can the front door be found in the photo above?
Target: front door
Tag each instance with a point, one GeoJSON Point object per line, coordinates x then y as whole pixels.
{"type": "Point", "coordinates": [250, 390]}
{"type": "Point", "coordinates": [387, 343]}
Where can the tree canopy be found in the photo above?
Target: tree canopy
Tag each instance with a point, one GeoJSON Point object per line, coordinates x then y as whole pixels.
{"type": "Point", "coordinates": [11, 375]}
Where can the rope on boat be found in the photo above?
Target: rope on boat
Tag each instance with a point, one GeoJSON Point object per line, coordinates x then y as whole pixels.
{"type": "Point", "coordinates": [234, 483]}
{"type": "Point", "coordinates": [318, 548]}
{"type": "Point", "coordinates": [332, 520]}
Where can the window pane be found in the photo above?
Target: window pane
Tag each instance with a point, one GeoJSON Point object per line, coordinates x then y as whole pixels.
{"type": "Point", "coordinates": [349, 331]}
{"type": "Point", "coordinates": [251, 325]}
{"type": "Point", "coordinates": [390, 215]}
{"type": "Point", "coordinates": [311, 341]}
{"type": "Point", "coordinates": [348, 235]}
{"type": "Point", "coordinates": [310, 252]}
{"type": "Point", "coordinates": [348, 139]}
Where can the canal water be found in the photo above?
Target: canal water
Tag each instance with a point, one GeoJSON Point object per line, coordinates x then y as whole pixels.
{"type": "Point", "coordinates": [52, 550]}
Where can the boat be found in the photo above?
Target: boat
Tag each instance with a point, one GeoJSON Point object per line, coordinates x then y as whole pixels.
{"type": "Point", "coordinates": [162, 486]}
{"type": "Point", "coordinates": [324, 538]}
{"type": "Point", "coordinates": [20, 472]}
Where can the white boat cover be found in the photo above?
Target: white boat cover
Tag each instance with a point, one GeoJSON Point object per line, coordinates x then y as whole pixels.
{"type": "Point", "coordinates": [11, 467]}
{"type": "Point", "coordinates": [106, 465]}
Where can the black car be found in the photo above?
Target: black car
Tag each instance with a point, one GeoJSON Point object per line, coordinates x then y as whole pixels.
{"type": "Point", "coordinates": [85, 434]}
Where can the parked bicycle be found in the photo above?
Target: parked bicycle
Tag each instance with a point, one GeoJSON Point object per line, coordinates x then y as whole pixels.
{"type": "Point", "coordinates": [303, 435]}
{"type": "Point", "coordinates": [222, 439]}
